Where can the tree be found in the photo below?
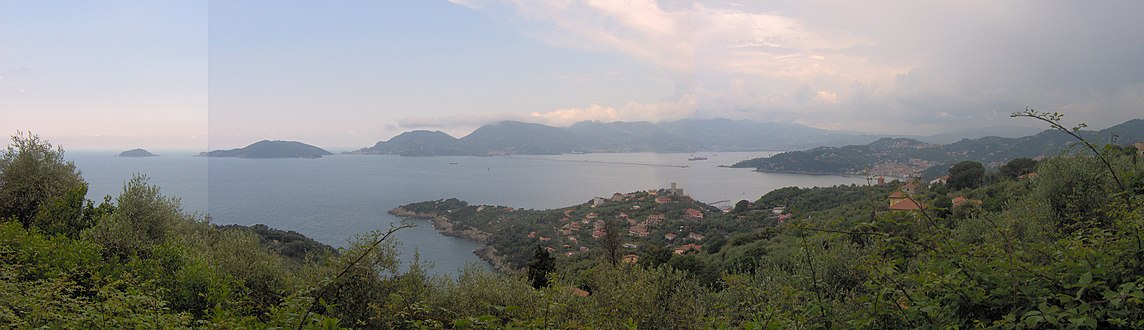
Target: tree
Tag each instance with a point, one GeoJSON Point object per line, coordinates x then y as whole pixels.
{"type": "Point", "coordinates": [741, 206]}
{"type": "Point", "coordinates": [966, 174]}
{"type": "Point", "coordinates": [141, 220]}
{"type": "Point", "coordinates": [540, 266]}
{"type": "Point", "coordinates": [31, 172]}
{"type": "Point", "coordinates": [612, 240]}
{"type": "Point", "coordinates": [71, 213]}
{"type": "Point", "coordinates": [1075, 189]}
{"type": "Point", "coordinates": [1018, 167]}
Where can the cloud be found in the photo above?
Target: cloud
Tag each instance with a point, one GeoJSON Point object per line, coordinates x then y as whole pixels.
{"type": "Point", "coordinates": [633, 111]}
{"type": "Point", "coordinates": [826, 97]}
{"type": "Point", "coordinates": [461, 125]}
{"type": "Point", "coordinates": [639, 28]}
{"type": "Point", "coordinates": [474, 4]}
{"type": "Point", "coordinates": [460, 122]}
{"type": "Point", "coordinates": [901, 67]}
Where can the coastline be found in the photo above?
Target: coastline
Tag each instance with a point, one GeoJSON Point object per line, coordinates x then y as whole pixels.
{"type": "Point", "coordinates": [804, 172]}
{"type": "Point", "coordinates": [445, 227]}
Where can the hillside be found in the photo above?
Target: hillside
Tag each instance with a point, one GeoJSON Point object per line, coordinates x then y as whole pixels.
{"type": "Point", "coordinates": [650, 219]}
{"type": "Point", "coordinates": [906, 157]}
{"type": "Point", "coordinates": [418, 143]}
{"type": "Point", "coordinates": [271, 149]}
{"type": "Point", "coordinates": [512, 137]}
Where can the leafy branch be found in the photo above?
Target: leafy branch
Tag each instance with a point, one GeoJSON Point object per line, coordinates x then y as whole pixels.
{"type": "Point", "coordinates": [378, 239]}
{"type": "Point", "coordinates": [1054, 120]}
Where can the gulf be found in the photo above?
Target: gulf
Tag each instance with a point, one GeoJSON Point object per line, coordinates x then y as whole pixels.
{"type": "Point", "coordinates": [334, 198]}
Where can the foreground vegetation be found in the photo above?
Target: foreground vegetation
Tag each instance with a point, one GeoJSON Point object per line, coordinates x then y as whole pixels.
{"type": "Point", "coordinates": [1063, 250]}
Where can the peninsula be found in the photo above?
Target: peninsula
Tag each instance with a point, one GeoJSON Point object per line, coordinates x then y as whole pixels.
{"type": "Point", "coordinates": [905, 157]}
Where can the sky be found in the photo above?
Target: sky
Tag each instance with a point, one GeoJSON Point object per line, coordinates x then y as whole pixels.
{"type": "Point", "coordinates": [201, 75]}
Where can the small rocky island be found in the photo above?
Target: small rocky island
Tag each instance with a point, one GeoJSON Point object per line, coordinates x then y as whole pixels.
{"type": "Point", "coordinates": [271, 149]}
{"type": "Point", "coordinates": [136, 153]}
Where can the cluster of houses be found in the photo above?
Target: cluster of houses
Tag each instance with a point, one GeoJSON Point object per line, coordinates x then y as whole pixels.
{"type": "Point", "coordinates": [571, 227]}
{"type": "Point", "coordinates": [902, 200]}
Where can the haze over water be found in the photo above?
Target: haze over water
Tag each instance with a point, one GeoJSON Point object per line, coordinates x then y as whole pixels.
{"type": "Point", "coordinates": [335, 197]}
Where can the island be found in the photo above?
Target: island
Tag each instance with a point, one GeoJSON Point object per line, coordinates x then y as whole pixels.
{"type": "Point", "coordinates": [136, 153]}
{"type": "Point", "coordinates": [271, 149]}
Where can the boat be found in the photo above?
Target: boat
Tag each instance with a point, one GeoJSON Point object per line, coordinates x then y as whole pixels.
{"type": "Point", "coordinates": [697, 158]}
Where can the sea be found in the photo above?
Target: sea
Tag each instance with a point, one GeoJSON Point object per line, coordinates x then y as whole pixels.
{"type": "Point", "coordinates": [336, 198]}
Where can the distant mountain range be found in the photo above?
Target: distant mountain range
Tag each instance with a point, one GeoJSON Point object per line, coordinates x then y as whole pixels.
{"type": "Point", "coordinates": [905, 156]}
{"type": "Point", "coordinates": [691, 135]}
{"type": "Point", "coordinates": [511, 137]}
{"type": "Point", "coordinates": [271, 149]}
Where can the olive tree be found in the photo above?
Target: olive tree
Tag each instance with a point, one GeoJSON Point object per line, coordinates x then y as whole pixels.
{"type": "Point", "coordinates": [32, 171]}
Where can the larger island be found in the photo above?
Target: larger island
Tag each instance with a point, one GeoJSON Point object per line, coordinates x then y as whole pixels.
{"type": "Point", "coordinates": [271, 149]}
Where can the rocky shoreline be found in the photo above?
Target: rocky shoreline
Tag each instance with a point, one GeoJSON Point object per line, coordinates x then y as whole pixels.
{"type": "Point", "coordinates": [445, 227]}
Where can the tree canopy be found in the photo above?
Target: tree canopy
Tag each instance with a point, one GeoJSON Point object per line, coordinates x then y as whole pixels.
{"type": "Point", "coordinates": [32, 171]}
{"type": "Point", "coordinates": [966, 174]}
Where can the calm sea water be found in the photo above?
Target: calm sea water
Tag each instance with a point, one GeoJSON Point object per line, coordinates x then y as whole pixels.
{"type": "Point", "coordinates": [333, 198]}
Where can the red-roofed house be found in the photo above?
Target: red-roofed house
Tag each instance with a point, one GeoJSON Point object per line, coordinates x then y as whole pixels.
{"type": "Point", "coordinates": [597, 233]}
{"type": "Point", "coordinates": [655, 219]}
{"type": "Point", "coordinates": [910, 188]}
{"type": "Point", "coordinates": [688, 247]}
{"type": "Point", "coordinates": [939, 181]}
{"type": "Point", "coordinates": [638, 231]}
{"type": "Point", "coordinates": [897, 197]}
{"type": "Point", "coordinates": [693, 214]}
{"type": "Point", "coordinates": [617, 197]}
{"type": "Point", "coordinates": [961, 200]}
{"type": "Point", "coordinates": [695, 236]}
{"type": "Point", "coordinates": [906, 205]}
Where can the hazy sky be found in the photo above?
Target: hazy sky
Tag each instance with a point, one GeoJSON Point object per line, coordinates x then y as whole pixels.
{"type": "Point", "coordinates": [345, 74]}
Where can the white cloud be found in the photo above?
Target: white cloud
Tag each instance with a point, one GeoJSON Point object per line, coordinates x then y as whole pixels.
{"type": "Point", "coordinates": [461, 125]}
{"type": "Point", "coordinates": [633, 111]}
{"type": "Point", "coordinates": [826, 97]}
{"type": "Point", "coordinates": [638, 28]}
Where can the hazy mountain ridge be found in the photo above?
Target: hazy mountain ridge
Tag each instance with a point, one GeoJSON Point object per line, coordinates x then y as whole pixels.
{"type": "Point", "coordinates": [271, 149]}
{"type": "Point", "coordinates": [913, 156]}
{"type": "Point", "coordinates": [691, 135]}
